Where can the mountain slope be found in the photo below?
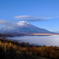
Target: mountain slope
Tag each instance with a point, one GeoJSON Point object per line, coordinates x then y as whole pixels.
{"type": "Point", "coordinates": [26, 27]}
{"type": "Point", "coordinates": [23, 27]}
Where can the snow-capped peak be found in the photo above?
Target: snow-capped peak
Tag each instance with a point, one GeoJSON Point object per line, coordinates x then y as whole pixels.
{"type": "Point", "coordinates": [22, 23]}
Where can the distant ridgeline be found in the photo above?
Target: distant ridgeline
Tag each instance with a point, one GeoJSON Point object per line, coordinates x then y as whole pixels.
{"type": "Point", "coordinates": [10, 34]}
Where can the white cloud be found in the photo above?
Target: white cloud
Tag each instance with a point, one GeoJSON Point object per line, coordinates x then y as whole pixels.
{"type": "Point", "coordinates": [3, 22]}
{"type": "Point", "coordinates": [32, 18]}
{"type": "Point", "coordinates": [22, 17]}
{"type": "Point", "coordinates": [8, 24]}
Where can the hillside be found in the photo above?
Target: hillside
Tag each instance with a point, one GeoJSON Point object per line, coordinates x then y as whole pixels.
{"type": "Point", "coordinates": [14, 50]}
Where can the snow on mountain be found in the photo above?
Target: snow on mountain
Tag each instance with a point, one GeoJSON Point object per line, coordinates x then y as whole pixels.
{"type": "Point", "coordinates": [22, 23]}
{"type": "Point", "coordinates": [26, 27]}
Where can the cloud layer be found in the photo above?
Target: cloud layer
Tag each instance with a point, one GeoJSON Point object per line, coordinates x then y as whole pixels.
{"type": "Point", "coordinates": [8, 24]}
{"type": "Point", "coordinates": [3, 22]}
{"type": "Point", "coordinates": [32, 18]}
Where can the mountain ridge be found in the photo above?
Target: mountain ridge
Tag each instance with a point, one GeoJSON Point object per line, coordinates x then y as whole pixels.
{"type": "Point", "coordinates": [27, 28]}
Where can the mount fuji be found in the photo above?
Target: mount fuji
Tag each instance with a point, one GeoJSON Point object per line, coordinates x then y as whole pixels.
{"type": "Point", "coordinates": [25, 27]}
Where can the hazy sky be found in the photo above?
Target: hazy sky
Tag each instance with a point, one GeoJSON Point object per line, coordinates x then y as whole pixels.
{"type": "Point", "coordinates": [41, 13]}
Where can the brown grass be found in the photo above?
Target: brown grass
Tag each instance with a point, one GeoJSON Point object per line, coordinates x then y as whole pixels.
{"type": "Point", "coordinates": [14, 50]}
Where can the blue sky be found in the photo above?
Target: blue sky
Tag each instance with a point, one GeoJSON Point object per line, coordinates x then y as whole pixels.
{"type": "Point", "coordinates": [41, 13]}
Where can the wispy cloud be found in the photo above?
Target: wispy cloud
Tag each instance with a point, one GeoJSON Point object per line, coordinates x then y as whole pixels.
{"type": "Point", "coordinates": [23, 16]}
{"type": "Point", "coordinates": [3, 22]}
{"type": "Point", "coordinates": [32, 18]}
{"type": "Point", "coordinates": [8, 24]}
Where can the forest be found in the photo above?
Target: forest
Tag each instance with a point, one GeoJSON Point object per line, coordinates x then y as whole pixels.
{"type": "Point", "coordinates": [14, 50]}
